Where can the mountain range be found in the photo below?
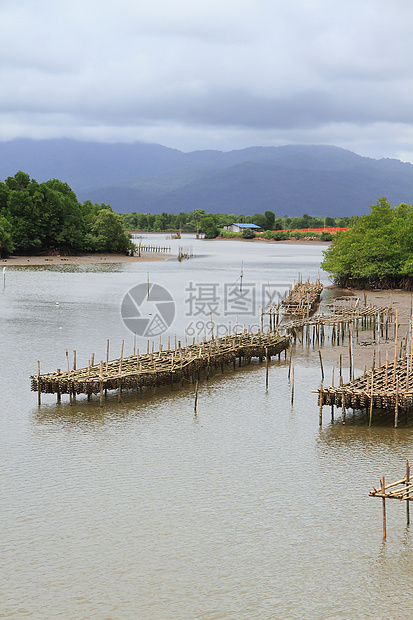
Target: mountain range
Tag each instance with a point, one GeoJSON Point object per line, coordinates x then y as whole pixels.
{"type": "Point", "coordinates": [150, 178]}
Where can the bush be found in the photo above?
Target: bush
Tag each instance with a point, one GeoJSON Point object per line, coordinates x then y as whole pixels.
{"type": "Point", "coordinates": [326, 236]}
{"type": "Point", "coordinates": [280, 235]}
{"type": "Point", "coordinates": [226, 234]}
{"type": "Point", "coordinates": [247, 233]}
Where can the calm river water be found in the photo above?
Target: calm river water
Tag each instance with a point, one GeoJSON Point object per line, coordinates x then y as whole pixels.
{"type": "Point", "coordinates": [141, 509]}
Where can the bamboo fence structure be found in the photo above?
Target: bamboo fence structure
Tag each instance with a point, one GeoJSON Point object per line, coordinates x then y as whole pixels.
{"type": "Point", "coordinates": [388, 387]}
{"type": "Point", "coordinates": [151, 248]}
{"type": "Point", "coordinates": [300, 301]}
{"type": "Point", "coordinates": [401, 489]}
{"type": "Point", "coordinates": [185, 253]}
{"type": "Point", "coordinates": [161, 367]}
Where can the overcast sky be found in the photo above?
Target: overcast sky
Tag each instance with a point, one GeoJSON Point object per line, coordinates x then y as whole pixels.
{"type": "Point", "coordinates": [222, 74]}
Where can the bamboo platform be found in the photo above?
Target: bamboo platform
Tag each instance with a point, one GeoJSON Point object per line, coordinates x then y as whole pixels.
{"type": "Point", "coordinates": [300, 301]}
{"type": "Point", "coordinates": [163, 367]}
{"type": "Point", "coordinates": [389, 387]}
{"type": "Point", "coordinates": [362, 317]}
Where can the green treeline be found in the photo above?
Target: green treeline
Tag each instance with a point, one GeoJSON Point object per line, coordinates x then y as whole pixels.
{"type": "Point", "coordinates": [190, 222]}
{"type": "Point", "coordinates": [39, 217]}
{"type": "Point", "coordinates": [376, 250]}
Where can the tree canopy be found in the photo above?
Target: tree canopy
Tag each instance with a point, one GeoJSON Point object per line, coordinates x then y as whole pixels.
{"type": "Point", "coordinates": [376, 249]}
{"type": "Point", "coordinates": [41, 217]}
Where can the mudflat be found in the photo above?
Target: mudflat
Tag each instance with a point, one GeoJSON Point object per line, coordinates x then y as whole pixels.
{"type": "Point", "coordinates": [366, 347]}
{"type": "Point", "coordinates": [84, 259]}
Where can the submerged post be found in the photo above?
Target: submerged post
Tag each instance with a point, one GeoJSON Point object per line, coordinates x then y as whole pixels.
{"type": "Point", "coordinates": [266, 368]}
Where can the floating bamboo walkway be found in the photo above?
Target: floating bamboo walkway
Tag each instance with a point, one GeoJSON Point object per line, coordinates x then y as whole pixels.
{"type": "Point", "coordinates": [401, 490]}
{"type": "Point", "coordinates": [163, 367]}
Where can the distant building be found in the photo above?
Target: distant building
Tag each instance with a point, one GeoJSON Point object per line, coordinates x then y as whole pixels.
{"type": "Point", "coordinates": [240, 227]}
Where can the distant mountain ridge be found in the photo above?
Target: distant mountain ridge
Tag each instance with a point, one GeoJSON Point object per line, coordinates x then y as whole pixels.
{"type": "Point", "coordinates": [292, 180]}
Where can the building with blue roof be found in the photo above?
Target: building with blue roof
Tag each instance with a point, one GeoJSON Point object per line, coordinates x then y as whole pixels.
{"type": "Point", "coordinates": [238, 227]}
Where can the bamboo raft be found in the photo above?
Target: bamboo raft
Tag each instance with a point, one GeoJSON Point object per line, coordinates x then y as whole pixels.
{"type": "Point", "coordinates": [162, 367]}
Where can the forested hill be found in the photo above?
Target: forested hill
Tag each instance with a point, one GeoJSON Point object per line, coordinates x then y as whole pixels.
{"type": "Point", "coordinates": [321, 180]}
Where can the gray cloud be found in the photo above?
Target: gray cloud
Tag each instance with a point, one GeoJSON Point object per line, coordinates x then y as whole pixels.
{"type": "Point", "coordinates": [216, 75]}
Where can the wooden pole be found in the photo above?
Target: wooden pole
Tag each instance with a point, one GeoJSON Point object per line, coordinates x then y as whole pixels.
{"type": "Point", "coordinates": [101, 383]}
{"type": "Point", "coordinates": [321, 364]}
{"type": "Point", "coordinates": [196, 396]}
{"type": "Point", "coordinates": [407, 484]}
{"type": "Point", "coordinates": [266, 368]}
{"type": "Point", "coordinates": [371, 400]}
{"type": "Point", "coordinates": [395, 346]}
{"type": "Point", "coordinates": [39, 387]}
{"type": "Point", "coordinates": [292, 386]}
{"type": "Point", "coordinates": [383, 490]}
{"type": "Point", "coordinates": [396, 409]}
{"type": "Point", "coordinates": [320, 402]}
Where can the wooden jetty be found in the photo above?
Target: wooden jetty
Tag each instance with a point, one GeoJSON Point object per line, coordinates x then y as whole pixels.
{"type": "Point", "coordinates": [401, 489]}
{"type": "Point", "coordinates": [163, 367]}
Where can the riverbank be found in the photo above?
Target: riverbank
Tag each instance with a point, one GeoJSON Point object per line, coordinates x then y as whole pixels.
{"type": "Point", "coordinates": [365, 345]}
{"type": "Point", "coordinates": [84, 259]}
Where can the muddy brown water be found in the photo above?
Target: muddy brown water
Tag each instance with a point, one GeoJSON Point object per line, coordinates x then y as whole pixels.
{"type": "Point", "coordinates": [144, 510]}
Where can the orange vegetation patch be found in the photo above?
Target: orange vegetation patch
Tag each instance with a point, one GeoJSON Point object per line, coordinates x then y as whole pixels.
{"type": "Point", "coordinates": [319, 230]}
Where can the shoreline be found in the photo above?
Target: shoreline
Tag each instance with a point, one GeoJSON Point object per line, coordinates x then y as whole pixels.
{"type": "Point", "coordinates": [84, 259]}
